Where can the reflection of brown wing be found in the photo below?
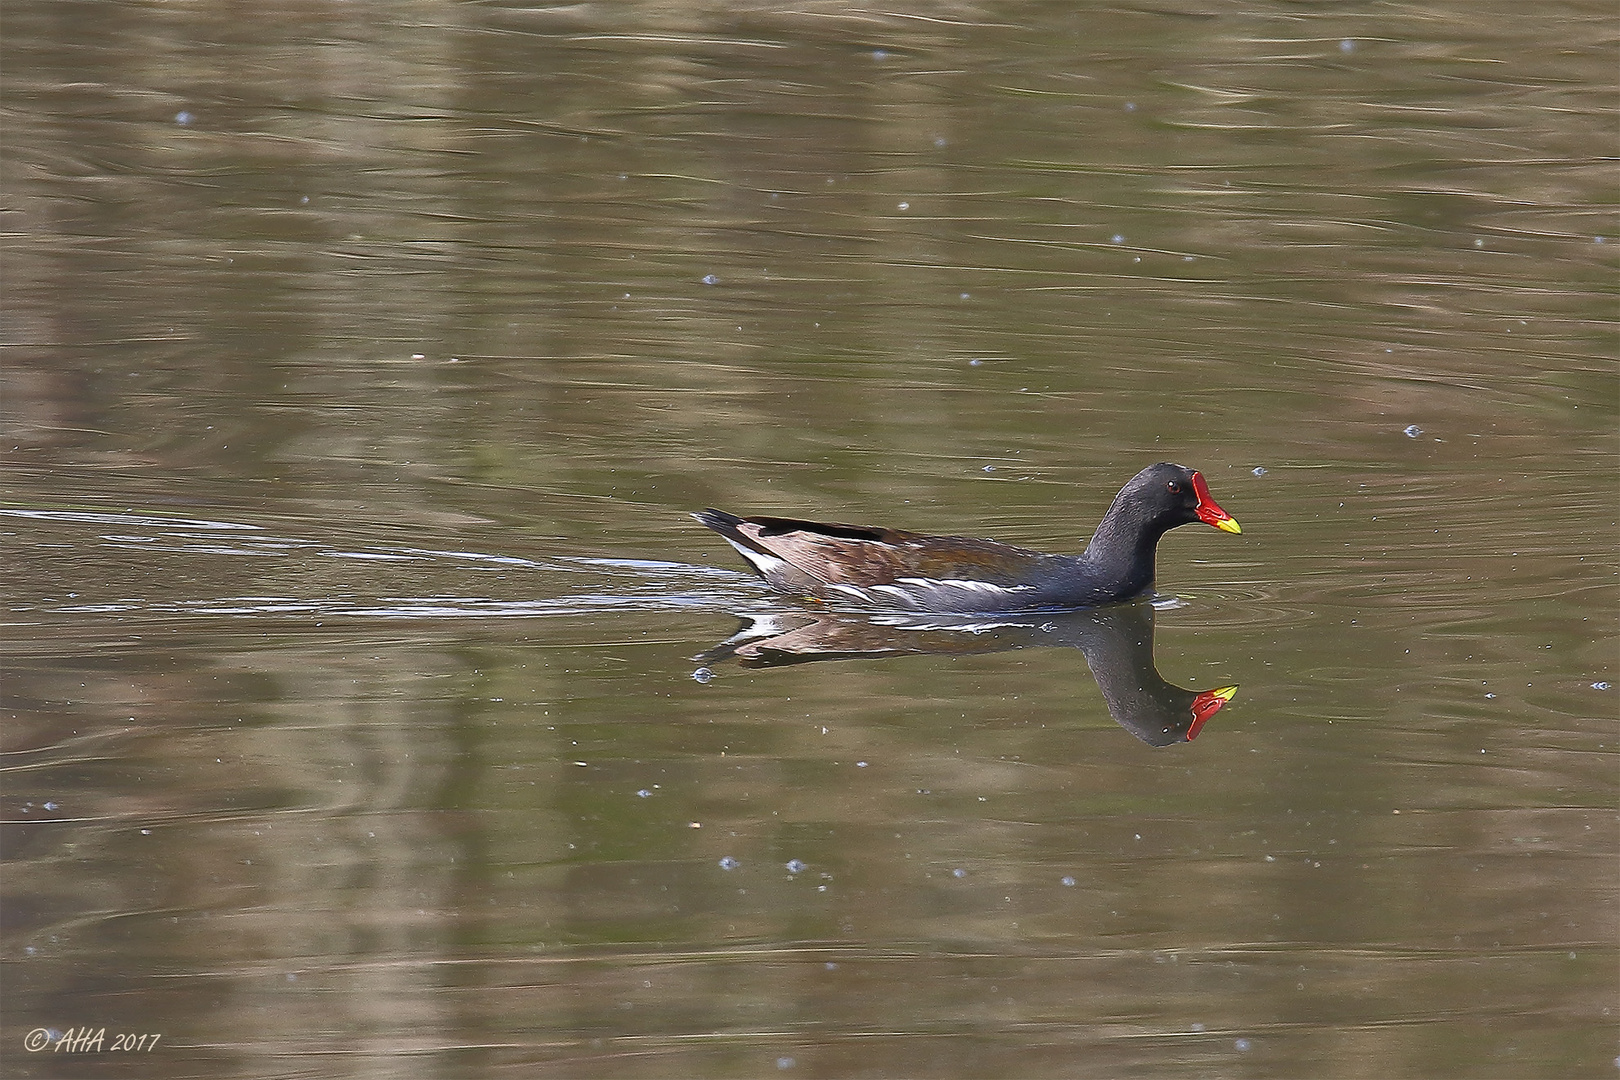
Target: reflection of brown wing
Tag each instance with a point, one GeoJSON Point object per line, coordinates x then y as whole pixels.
{"type": "Point", "coordinates": [817, 639]}
{"type": "Point", "coordinates": [1117, 642]}
{"type": "Point", "coordinates": [861, 556]}
{"type": "Point", "coordinates": [800, 637]}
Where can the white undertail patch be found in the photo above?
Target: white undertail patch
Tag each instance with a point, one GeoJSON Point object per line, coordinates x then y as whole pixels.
{"type": "Point", "coordinates": [765, 564]}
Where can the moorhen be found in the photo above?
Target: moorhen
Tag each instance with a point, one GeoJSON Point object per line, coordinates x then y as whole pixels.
{"type": "Point", "coordinates": [888, 568]}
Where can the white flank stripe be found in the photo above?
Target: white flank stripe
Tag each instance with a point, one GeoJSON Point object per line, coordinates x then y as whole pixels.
{"type": "Point", "coordinates": [851, 590]}
{"type": "Point", "coordinates": [897, 592]}
{"type": "Point", "coordinates": [964, 584]}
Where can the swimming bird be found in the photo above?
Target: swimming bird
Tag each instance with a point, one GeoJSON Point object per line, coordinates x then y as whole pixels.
{"type": "Point", "coordinates": [875, 567]}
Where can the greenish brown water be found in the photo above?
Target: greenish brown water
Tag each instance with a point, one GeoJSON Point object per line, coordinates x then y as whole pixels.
{"type": "Point", "coordinates": [363, 363]}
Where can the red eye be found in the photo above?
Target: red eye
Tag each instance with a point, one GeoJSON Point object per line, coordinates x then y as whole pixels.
{"type": "Point", "coordinates": [1175, 488]}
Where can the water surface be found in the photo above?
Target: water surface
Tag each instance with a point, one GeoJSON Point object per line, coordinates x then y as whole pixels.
{"type": "Point", "coordinates": [363, 365]}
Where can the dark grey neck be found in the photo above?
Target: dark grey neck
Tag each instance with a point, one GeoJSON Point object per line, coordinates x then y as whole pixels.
{"type": "Point", "coordinates": [1122, 549]}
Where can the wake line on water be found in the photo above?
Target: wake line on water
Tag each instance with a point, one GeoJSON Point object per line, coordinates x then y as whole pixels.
{"type": "Point", "coordinates": [622, 585]}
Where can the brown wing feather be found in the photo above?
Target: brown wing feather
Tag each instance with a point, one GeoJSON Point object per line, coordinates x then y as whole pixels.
{"type": "Point", "coordinates": [863, 556]}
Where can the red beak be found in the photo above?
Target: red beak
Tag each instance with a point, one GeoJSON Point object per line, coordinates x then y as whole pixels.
{"type": "Point", "coordinates": [1208, 512]}
{"type": "Point", "coordinates": [1206, 705]}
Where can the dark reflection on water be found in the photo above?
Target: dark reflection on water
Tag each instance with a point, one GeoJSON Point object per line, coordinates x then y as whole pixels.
{"type": "Point", "coordinates": [363, 363]}
{"type": "Point", "coordinates": [1117, 642]}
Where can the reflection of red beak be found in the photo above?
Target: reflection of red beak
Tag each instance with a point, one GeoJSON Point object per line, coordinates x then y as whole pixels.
{"type": "Point", "coordinates": [1208, 512]}
{"type": "Point", "coordinates": [1206, 705]}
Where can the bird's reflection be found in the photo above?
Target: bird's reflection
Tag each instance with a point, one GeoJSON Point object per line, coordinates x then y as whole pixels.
{"type": "Point", "coordinates": [1117, 642]}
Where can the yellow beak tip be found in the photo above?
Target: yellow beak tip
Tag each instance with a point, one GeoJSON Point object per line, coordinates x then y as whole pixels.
{"type": "Point", "coordinates": [1230, 525]}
